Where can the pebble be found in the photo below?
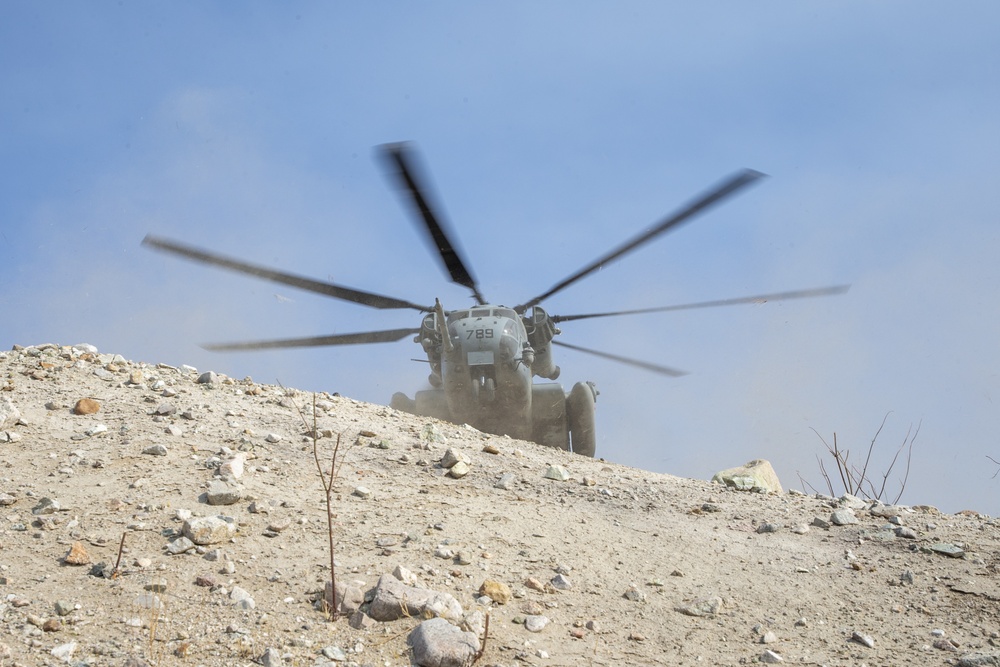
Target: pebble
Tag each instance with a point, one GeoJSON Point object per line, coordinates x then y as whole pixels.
{"type": "Point", "coordinates": [535, 623]}
{"type": "Point", "coordinates": [560, 582]}
{"type": "Point", "coordinates": [771, 657]}
{"type": "Point", "coordinates": [155, 450]}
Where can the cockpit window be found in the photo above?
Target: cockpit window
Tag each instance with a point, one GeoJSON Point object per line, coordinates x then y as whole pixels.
{"type": "Point", "coordinates": [505, 312]}
{"type": "Point", "coordinates": [481, 312]}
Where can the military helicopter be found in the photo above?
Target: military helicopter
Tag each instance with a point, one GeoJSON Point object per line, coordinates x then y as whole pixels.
{"type": "Point", "coordinates": [483, 358]}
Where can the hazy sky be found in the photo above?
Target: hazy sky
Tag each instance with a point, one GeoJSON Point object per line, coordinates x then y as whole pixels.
{"type": "Point", "coordinates": [551, 132]}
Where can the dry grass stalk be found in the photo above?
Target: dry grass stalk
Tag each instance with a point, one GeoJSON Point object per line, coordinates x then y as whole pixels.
{"type": "Point", "coordinates": [858, 481]}
{"type": "Point", "coordinates": [327, 477]}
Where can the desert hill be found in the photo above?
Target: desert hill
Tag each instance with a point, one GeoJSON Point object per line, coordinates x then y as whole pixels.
{"type": "Point", "coordinates": [611, 566]}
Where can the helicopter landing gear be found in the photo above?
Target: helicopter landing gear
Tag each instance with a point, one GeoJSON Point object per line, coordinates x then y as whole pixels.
{"type": "Point", "coordinates": [580, 418]}
{"type": "Point", "coordinates": [485, 389]}
{"type": "Point", "coordinates": [548, 415]}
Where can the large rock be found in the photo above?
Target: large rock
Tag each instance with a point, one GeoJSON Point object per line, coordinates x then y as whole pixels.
{"type": "Point", "coordinates": [438, 643]}
{"type": "Point", "coordinates": [757, 475]}
{"type": "Point", "coordinates": [394, 599]}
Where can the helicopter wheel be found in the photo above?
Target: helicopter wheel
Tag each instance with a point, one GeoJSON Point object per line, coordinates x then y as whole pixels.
{"type": "Point", "coordinates": [580, 419]}
{"type": "Point", "coordinates": [489, 390]}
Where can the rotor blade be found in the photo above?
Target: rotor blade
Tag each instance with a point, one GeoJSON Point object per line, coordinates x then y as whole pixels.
{"type": "Point", "coordinates": [760, 298]}
{"type": "Point", "coordinates": [649, 366]}
{"type": "Point", "coordinates": [719, 192]}
{"type": "Point", "coordinates": [362, 338]}
{"type": "Point", "coordinates": [400, 156]}
{"type": "Point", "coordinates": [308, 284]}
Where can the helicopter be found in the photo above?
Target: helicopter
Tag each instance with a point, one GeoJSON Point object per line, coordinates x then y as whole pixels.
{"type": "Point", "coordinates": [484, 358]}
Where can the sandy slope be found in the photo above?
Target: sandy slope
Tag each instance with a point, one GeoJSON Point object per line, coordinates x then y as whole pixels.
{"type": "Point", "coordinates": [676, 540]}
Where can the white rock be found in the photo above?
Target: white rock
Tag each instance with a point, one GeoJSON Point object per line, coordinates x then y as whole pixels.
{"type": "Point", "coordinates": [557, 473]}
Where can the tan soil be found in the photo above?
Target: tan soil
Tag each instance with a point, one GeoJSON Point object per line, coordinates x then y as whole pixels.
{"type": "Point", "coordinates": [630, 527]}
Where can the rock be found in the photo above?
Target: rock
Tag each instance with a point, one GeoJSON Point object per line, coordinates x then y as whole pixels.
{"type": "Point", "coordinates": [349, 598]}
{"type": "Point", "coordinates": [64, 651]}
{"type": "Point", "coordinates": [708, 606]}
{"type": "Point", "coordinates": [438, 643]}
{"type": "Point", "coordinates": [949, 550]}
{"type": "Point", "coordinates": [334, 653]}
{"type": "Point", "coordinates": [179, 546]}
{"type": "Point", "coordinates": [634, 594]}
{"type": "Point", "coordinates": [535, 623]}
{"type": "Point", "coordinates": [155, 450]}
{"type": "Point", "coordinates": [45, 506]}
{"type": "Point", "coordinates": [405, 576]}
{"type": "Point", "coordinates": [208, 530]}
{"type": "Point", "coordinates": [241, 598]}
{"type": "Point", "coordinates": [459, 470]}
{"type": "Point", "coordinates": [86, 406]}
{"type": "Point", "coordinates": [361, 621]}
{"type": "Point", "coordinates": [233, 467]}
{"type": "Point", "coordinates": [9, 415]}
{"type": "Point", "coordinates": [208, 378]}
{"type": "Point", "coordinates": [558, 473]}
{"type": "Point", "coordinates": [273, 438]}
{"type": "Point", "coordinates": [77, 555]}
{"type": "Point", "coordinates": [394, 599]}
{"type": "Point", "coordinates": [506, 481]}
{"type": "Point", "coordinates": [864, 640]}
{"type": "Point", "coordinates": [362, 492]}
{"type": "Point", "coordinates": [756, 475]}
{"type": "Point", "coordinates": [453, 456]}
{"type": "Point", "coordinates": [771, 657]}
{"type": "Point", "coordinates": [271, 658]}
{"type": "Point", "coordinates": [221, 493]}
{"type": "Point", "coordinates": [560, 582]}
{"type": "Point", "coordinates": [843, 518]}
{"type": "Point", "coordinates": [497, 591]}
{"type": "Point", "coordinates": [534, 584]}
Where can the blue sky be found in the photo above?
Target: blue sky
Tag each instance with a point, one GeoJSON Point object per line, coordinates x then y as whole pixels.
{"type": "Point", "coordinates": [551, 132]}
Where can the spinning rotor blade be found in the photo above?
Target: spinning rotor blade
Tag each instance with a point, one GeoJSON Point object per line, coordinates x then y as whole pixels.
{"type": "Point", "coordinates": [400, 156]}
{"type": "Point", "coordinates": [308, 284]}
{"type": "Point", "coordinates": [362, 338]}
{"type": "Point", "coordinates": [760, 298]}
{"type": "Point", "coordinates": [719, 192]}
{"type": "Point", "coordinates": [656, 368]}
